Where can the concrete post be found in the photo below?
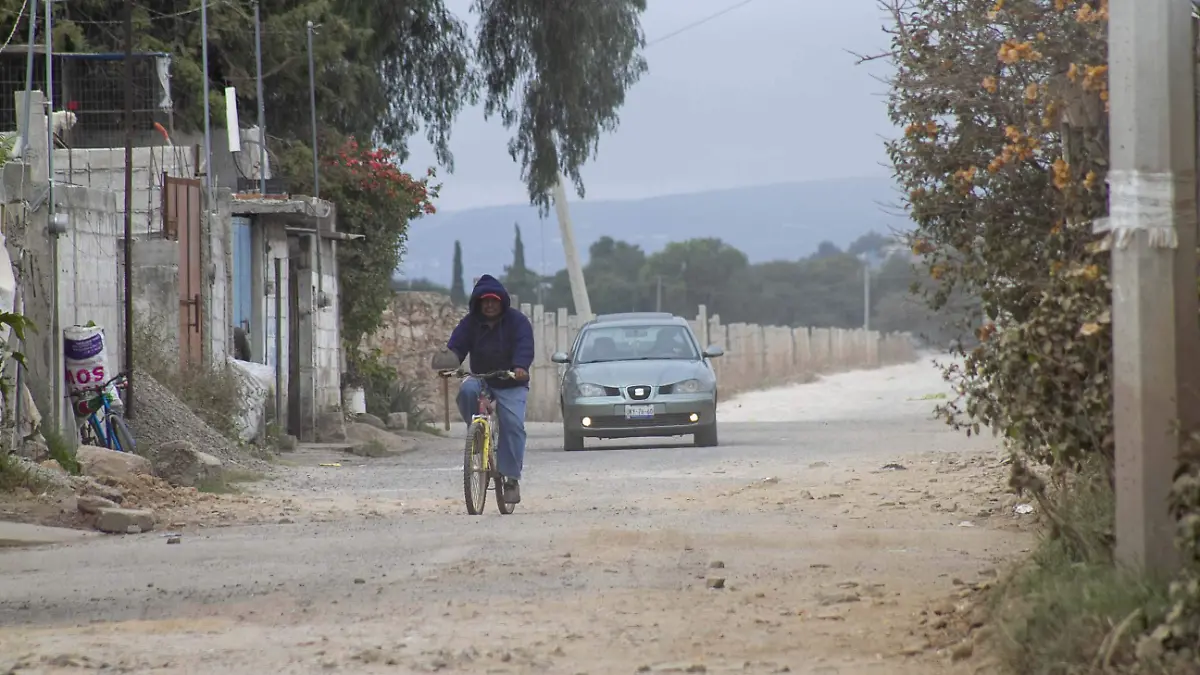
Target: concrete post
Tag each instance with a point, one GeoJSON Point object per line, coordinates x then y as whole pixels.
{"type": "Point", "coordinates": [1152, 225]}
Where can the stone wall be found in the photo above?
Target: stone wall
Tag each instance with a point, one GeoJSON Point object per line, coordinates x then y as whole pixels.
{"type": "Point", "coordinates": [417, 325]}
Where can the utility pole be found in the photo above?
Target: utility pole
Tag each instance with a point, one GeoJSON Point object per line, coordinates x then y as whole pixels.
{"type": "Point", "coordinates": [128, 243]}
{"type": "Point", "coordinates": [312, 105]}
{"type": "Point", "coordinates": [1152, 226]}
{"type": "Point", "coordinates": [583, 306]}
{"type": "Point", "coordinates": [658, 295]}
{"type": "Point", "coordinates": [262, 114]}
{"type": "Point", "coordinates": [866, 293]}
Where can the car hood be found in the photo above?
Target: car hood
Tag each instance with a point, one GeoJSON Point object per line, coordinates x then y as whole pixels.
{"type": "Point", "coordinates": [653, 372]}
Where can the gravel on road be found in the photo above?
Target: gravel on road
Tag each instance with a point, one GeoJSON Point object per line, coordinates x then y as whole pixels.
{"type": "Point", "coordinates": [805, 546]}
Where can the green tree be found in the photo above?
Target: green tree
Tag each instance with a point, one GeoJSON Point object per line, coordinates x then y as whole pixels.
{"type": "Point", "coordinates": [555, 73]}
{"type": "Point", "coordinates": [695, 272]}
{"type": "Point", "coordinates": [613, 276]}
{"type": "Point", "coordinates": [458, 290]}
{"type": "Point", "coordinates": [871, 243]}
{"type": "Point", "coordinates": [519, 279]}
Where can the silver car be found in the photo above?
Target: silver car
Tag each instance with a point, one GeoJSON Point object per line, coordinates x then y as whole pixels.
{"type": "Point", "coordinates": [638, 374]}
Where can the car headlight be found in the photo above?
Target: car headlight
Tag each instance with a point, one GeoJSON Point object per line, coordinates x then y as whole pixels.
{"type": "Point", "coordinates": [586, 390]}
{"type": "Point", "coordinates": [690, 387]}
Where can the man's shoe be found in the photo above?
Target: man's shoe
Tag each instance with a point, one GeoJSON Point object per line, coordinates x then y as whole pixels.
{"type": "Point", "coordinates": [512, 491]}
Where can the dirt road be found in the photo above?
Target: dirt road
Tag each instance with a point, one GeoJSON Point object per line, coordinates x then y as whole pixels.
{"type": "Point", "coordinates": [807, 545]}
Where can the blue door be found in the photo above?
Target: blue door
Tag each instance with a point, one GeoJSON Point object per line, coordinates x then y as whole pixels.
{"type": "Point", "coordinates": [243, 296]}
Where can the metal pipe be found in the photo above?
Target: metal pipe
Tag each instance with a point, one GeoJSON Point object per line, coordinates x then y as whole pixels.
{"type": "Point", "coordinates": [262, 115]}
{"type": "Point", "coordinates": [312, 111]}
{"type": "Point", "coordinates": [51, 229]}
{"type": "Point", "coordinates": [279, 418]}
{"type": "Point", "coordinates": [128, 243]}
{"type": "Point", "coordinates": [208, 183]}
{"type": "Point", "coordinates": [19, 308]}
{"type": "Point", "coordinates": [29, 81]}
{"type": "Point", "coordinates": [312, 105]}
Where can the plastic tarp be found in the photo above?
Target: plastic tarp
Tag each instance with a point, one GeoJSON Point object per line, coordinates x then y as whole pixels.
{"type": "Point", "coordinates": [258, 384]}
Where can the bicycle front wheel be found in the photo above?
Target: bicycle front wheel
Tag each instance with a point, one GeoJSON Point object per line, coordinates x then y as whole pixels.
{"type": "Point", "coordinates": [119, 434]}
{"type": "Point", "coordinates": [475, 478]}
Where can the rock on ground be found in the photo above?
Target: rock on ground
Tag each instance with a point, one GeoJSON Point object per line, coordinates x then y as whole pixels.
{"type": "Point", "coordinates": [102, 462]}
{"type": "Point", "coordinates": [93, 504]}
{"type": "Point", "coordinates": [180, 463]}
{"type": "Point", "coordinates": [124, 521]}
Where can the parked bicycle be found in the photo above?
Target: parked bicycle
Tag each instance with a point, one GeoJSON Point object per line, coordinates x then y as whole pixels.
{"type": "Point", "coordinates": [105, 425]}
{"type": "Point", "coordinates": [479, 454]}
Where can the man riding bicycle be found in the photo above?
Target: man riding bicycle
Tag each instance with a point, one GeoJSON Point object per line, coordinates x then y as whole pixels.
{"type": "Point", "coordinates": [497, 336]}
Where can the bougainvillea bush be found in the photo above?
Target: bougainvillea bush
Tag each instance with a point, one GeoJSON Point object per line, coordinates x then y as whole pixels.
{"type": "Point", "coordinates": [377, 199]}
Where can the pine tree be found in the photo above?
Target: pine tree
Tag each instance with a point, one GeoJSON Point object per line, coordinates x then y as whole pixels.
{"type": "Point", "coordinates": [518, 279]}
{"type": "Point", "coordinates": [458, 291]}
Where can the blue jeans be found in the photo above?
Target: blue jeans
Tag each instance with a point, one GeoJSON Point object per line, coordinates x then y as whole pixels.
{"type": "Point", "coordinates": [510, 408]}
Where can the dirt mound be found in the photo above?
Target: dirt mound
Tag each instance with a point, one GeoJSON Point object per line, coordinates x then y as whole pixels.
{"type": "Point", "coordinates": [160, 417]}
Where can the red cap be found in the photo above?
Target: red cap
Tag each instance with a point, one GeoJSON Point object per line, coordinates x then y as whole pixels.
{"type": "Point", "coordinates": [493, 296]}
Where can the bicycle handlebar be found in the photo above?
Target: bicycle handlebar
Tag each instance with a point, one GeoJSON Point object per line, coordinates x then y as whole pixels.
{"type": "Point", "coordinates": [497, 374]}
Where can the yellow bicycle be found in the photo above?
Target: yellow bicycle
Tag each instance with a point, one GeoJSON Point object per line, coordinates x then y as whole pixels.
{"type": "Point", "coordinates": [479, 454]}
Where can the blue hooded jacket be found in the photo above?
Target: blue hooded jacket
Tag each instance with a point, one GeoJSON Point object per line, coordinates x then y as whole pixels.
{"type": "Point", "coordinates": [504, 346]}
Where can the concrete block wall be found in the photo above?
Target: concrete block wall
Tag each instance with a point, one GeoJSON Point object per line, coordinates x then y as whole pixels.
{"type": "Point", "coordinates": [156, 287]}
{"type": "Point", "coordinates": [277, 248]}
{"type": "Point", "coordinates": [90, 279]}
{"type": "Point", "coordinates": [327, 340]}
{"type": "Point", "coordinates": [217, 262]}
{"type": "Point", "coordinates": [104, 168]}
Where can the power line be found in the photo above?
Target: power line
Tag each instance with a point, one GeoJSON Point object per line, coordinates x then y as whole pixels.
{"type": "Point", "coordinates": [698, 23]}
{"type": "Point", "coordinates": [16, 23]}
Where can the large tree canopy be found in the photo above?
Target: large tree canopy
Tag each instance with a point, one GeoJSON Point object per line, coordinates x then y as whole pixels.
{"type": "Point", "coordinates": [555, 72]}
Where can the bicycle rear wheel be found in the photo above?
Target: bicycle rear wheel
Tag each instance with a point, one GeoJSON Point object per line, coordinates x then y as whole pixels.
{"type": "Point", "coordinates": [120, 435]}
{"type": "Point", "coordinates": [475, 479]}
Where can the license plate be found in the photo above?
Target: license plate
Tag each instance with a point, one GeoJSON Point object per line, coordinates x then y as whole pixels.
{"type": "Point", "coordinates": [639, 412]}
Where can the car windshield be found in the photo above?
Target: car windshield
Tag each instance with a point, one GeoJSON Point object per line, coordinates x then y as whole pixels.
{"type": "Point", "coordinates": [636, 343]}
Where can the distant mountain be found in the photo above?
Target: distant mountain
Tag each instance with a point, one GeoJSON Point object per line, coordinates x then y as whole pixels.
{"type": "Point", "coordinates": [768, 222]}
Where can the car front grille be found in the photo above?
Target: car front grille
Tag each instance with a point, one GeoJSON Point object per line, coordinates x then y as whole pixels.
{"type": "Point", "coordinates": [618, 422]}
{"type": "Point", "coordinates": [639, 392]}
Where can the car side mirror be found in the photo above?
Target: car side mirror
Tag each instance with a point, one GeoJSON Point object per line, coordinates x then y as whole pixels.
{"type": "Point", "coordinates": [560, 357]}
{"type": "Point", "coordinates": [445, 360]}
{"type": "Point", "coordinates": [713, 352]}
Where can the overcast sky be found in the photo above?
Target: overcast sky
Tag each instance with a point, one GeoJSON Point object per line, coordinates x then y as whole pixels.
{"type": "Point", "coordinates": [763, 94]}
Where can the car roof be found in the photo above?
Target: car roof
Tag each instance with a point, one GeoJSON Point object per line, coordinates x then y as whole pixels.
{"type": "Point", "coordinates": [639, 318]}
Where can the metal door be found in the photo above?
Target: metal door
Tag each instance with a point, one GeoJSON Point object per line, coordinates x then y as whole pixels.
{"type": "Point", "coordinates": [181, 222]}
{"type": "Point", "coordinates": [243, 274]}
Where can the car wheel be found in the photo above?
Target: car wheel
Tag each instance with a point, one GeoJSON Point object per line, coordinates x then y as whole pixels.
{"type": "Point", "coordinates": [706, 437]}
{"type": "Point", "coordinates": [572, 442]}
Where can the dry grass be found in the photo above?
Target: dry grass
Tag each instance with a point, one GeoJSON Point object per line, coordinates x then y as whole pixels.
{"type": "Point", "coordinates": [1070, 610]}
